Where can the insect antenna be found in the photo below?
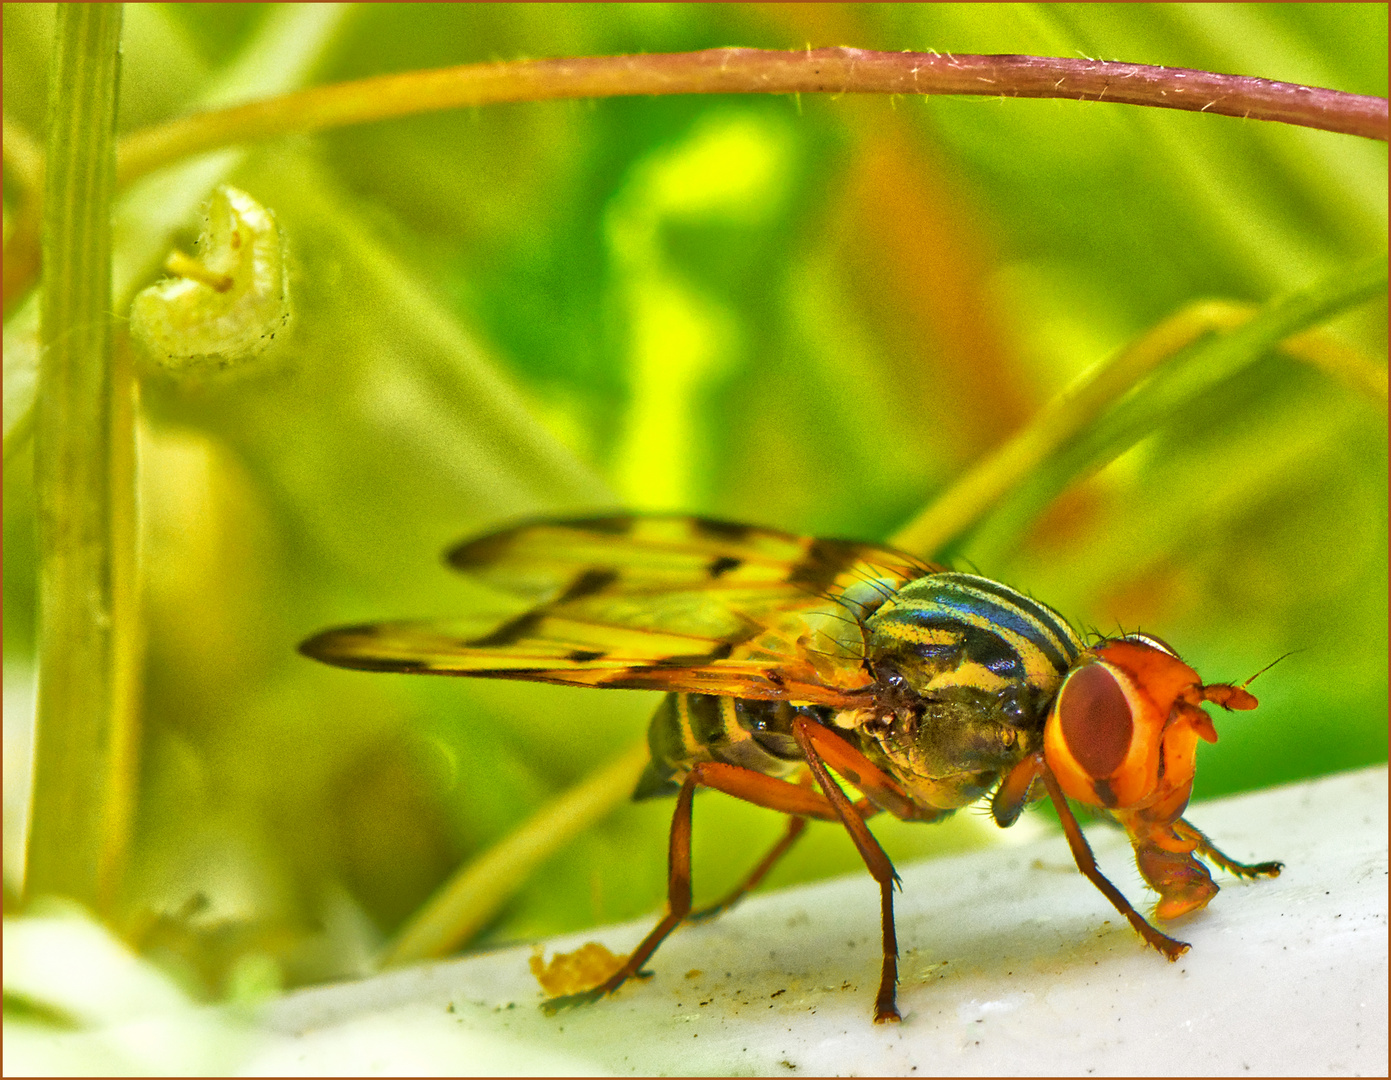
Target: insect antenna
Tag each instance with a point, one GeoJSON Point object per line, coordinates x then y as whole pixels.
{"type": "Point", "coordinates": [1268, 666]}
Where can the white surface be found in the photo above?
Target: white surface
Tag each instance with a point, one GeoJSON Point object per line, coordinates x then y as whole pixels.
{"type": "Point", "coordinates": [1012, 963]}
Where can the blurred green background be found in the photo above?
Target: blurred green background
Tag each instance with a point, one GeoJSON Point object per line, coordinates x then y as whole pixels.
{"type": "Point", "coordinates": [807, 312]}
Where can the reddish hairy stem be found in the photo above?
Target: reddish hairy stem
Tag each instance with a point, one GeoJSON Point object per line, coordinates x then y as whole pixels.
{"type": "Point", "coordinates": [733, 71]}
{"type": "Point", "coordinates": [759, 71]}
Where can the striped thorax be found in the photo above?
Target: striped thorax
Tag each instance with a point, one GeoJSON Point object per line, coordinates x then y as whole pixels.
{"type": "Point", "coordinates": [965, 671]}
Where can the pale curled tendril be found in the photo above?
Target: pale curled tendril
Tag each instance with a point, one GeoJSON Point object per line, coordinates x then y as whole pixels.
{"type": "Point", "coordinates": [224, 307]}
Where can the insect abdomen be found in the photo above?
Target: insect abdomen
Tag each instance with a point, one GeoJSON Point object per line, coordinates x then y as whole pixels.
{"type": "Point", "coordinates": [690, 728]}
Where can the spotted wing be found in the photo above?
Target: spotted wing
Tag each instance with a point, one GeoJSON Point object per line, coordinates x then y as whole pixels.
{"type": "Point", "coordinates": [663, 603]}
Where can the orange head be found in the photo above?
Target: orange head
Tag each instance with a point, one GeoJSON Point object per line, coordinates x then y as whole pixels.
{"type": "Point", "coordinates": [1123, 730]}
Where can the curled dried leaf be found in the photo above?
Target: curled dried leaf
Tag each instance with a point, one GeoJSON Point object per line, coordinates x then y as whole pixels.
{"type": "Point", "coordinates": [226, 305]}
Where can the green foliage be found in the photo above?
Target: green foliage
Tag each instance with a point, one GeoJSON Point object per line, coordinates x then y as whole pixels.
{"type": "Point", "coordinates": [813, 313]}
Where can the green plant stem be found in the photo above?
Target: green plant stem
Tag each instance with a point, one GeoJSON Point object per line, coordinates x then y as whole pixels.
{"type": "Point", "coordinates": [753, 71]}
{"type": "Point", "coordinates": [1104, 399]}
{"type": "Point", "coordinates": [967, 501]}
{"type": "Point", "coordinates": [467, 901]}
{"type": "Point", "coordinates": [83, 737]}
{"type": "Point", "coordinates": [287, 45]}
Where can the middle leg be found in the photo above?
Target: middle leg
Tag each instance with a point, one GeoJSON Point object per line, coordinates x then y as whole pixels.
{"type": "Point", "coordinates": [795, 828]}
{"type": "Point", "coordinates": [754, 787]}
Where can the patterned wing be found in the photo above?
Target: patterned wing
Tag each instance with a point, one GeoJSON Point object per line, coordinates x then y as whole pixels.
{"type": "Point", "coordinates": [661, 603]}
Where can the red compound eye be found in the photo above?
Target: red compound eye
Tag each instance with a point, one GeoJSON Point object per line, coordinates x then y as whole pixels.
{"type": "Point", "coordinates": [1097, 725]}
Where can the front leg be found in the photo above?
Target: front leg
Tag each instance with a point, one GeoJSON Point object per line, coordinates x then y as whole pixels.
{"type": "Point", "coordinates": [1086, 862]}
{"type": "Point", "coordinates": [812, 737]}
{"type": "Point", "coordinates": [1167, 857]}
{"type": "Point", "coordinates": [1207, 850]}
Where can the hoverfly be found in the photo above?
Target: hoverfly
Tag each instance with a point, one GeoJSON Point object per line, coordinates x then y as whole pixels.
{"type": "Point", "coordinates": [787, 657]}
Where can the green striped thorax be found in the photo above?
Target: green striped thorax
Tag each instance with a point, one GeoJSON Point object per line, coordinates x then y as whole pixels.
{"type": "Point", "coordinates": [965, 670]}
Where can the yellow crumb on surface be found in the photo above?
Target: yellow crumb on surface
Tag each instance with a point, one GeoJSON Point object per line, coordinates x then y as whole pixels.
{"type": "Point", "coordinates": [575, 972]}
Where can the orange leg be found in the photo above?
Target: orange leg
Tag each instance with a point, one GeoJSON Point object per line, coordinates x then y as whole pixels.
{"type": "Point", "coordinates": [866, 776]}
{"type": "Point", "coordinates": [754, 787]}
{"type": "Point", "coordinates": [795, 826]}
{"type": "Point", "coordinates": [1206, 849]}
{"type": "Point", "coordinates": [1012, 795]}
{"type": "Point", "coordinates": [1086, 862]}
{"type": "Point", "coordinates": [813, 738]}
{"type": "Point", "coordinates": [1182, 882]}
